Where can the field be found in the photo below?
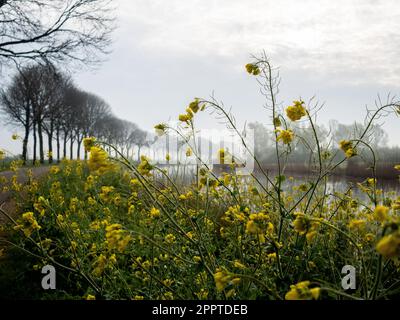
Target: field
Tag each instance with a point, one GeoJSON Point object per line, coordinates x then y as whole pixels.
{"type": "Point", "coordinates": [118, 229]}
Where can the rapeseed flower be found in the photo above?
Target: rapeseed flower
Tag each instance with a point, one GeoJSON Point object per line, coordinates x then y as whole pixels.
{"type": "Point", "coordinates": [98, 161]}
{"type": "Point", "coordinates": [161, 129]}
{"type": "Point", "coordinates": [144, 166]}
{"type": "Point", "coordinates": [28, 224]}
{"type": "Point", "coordinates": [252, 69]}
{"type": "Point", "coordinates": [301, 291]}
{"type": "Point", "coordinates": [381, 213]}
{"type": "Point", "coordinates": [348, 149]}
{"type": "Point", "coordinates": [389, 246]}
{"type": "Point", "coordinates": [88, 143]}
{"type": "Point", "coordinates": [297, 111]}
{"type": "Point", "coordinates": [286, 136]}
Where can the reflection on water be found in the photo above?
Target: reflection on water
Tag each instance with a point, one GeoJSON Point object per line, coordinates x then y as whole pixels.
{"type": "Point", "coordinates": [334, 184]}
{"type": "Point", "coordinates": [187, 174]}
{"type": "Point", "coordinates": [342, 184]}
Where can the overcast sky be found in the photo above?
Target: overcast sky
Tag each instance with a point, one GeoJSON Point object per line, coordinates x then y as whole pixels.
{"type": "Point", "coordinates": [167, 52]}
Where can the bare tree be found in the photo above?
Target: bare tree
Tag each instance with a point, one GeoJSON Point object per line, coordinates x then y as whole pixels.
{"type": "Point", "coordinates": [17, 107]}
{"type": "Point", "coordinates": [55, 30]}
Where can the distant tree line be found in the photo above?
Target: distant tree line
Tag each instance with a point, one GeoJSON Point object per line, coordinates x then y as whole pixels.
{"type": "Point", "coordinates": [45, 102]}
{"type": "Point", "coordinates": [303, 150]}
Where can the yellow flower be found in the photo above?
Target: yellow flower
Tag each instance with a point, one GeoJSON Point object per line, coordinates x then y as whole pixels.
{"type": "Point", "coordinates": [277, 122]}
{"type": "Point", "coordinates": [347, 147]}
{"type": "Point", "coordinates": [116, 238]}
{"type": "Point", "coordinates": [285, 135]}
{"type": "Point", "coordinates": [238, 264]}
{"type": "Point", "coordinates": [271, 256]}
{"type": "Point", "coordinates": [15, 136]}
{"type": "Point", "coordinates": [222, 279]}
{"type": "Point", "coordinates": [154, 213]}
{"type": "Point", "coordinates": [357, 224]}
{"type": "Point", "coordinates": [311, 235]}
{"type": "Point", "coordinates": [350, 153]}
{"type": "Point", "coordinates": [170, 238]}
{"type": "Point", "coordinates": [88, 143]}
{"type": "Point", "coordinates": [189, 152]}
{"type": "Point", "coordinates": [2, 154]}
{"type": "Point", "coordinates": [160, 129]}
{"type": "Point", "coordinates": [98, 160]}
{"type": "Point", "coordinates": [381, 213]}
{"type": "Point", "coordinates": [252, 69]}
{"type": "Point", "coordinates": [144, 166]}
{"type": "Point", "coordinates": [186, 117]}
{"type": "Point", "coordinates": [389, 246]}
{"type": "Point", "coordinates": [301, 291]}
{"type": "Point", "coordinates": [100, 265]}
{"type": "Point", "coordinates": [90, 297]}
{"type": "Point", "coordinates": [221, 156]}
{"type": "Point", "coordinates": [397, 167]}
{"type": "Point", "coordinates": [297, 111]}
{"type": "Point", "coordinates": [168, 157]}
{"type": "Point", "coordinates": [28, 224]}
{"type": "Point", "coordinates": [194, 105]}
{"type": "Point", "coordinates": [300, 223]}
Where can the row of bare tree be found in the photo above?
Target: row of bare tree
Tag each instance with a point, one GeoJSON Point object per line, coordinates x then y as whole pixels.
{"type": "Point", "coordinates": [39, 37]}
{"type": "Point", "coordinates": [46, 103]}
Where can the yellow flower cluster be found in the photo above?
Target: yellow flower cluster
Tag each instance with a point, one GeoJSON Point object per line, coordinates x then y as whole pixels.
{"type": "Point", "coordinates": [116, 238]}
{"type": "Point", "coordinates": [297, 111]}
{"type": "Point", "coordinates": [252, 69]}
{"type": "Point", "coordinates": [2, 154]}
{"type": "Point", "coordinates": [305, 226]}
{"type": "Point", "coordinates": [102, 263]}
{"type": "Point", "coordinates": [301, 291]}
{"type": "Point", "coordinates": [98, 161]}
{"type": "Point", "coordinates": [221, 156]}
{"type": "Point", "coordinates": [381, 213]}
{"type": "Point", "coordinates": [223, 278]}
{"type": "Point", "coordinates": [193, 108]}
{"type": "Point", "coordinates": [28, 224]}
{"type": "Point", "coordinates": [154, 213]}
{"type": "Point", "coordinates": [88, 143]}
{"type": "Point", "coordinates": [106, 194]}
{"type": "Point", "coordinates": [286, 136]}
{"type": "Point", "coordinates": [161, 129]}
{"type": "Point", "coordinates": [357, 224]}
{"type": "Point", "coordinates": [144, 166]}
{"type": "Point", "coordinates": [348, 149]}
{"type": "Point", "coordinates": [170, 238]}
{"type": "Point", "coordinates": [259, 225]}
{"type": "Point", "coordinates": [389, 246]}
{"type": "Point", "coordinates": [236, 214]}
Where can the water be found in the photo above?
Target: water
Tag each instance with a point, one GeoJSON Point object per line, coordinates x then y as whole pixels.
{"type": "Point", "coordinates": [341, 184]}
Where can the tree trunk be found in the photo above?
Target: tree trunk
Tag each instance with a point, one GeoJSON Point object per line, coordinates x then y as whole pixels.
{"type": "Point", "coordinates": [40, 135]}
{"type": "Point", "coordinates": [58, 144]}
{"type": "Point", "coordinates": [25, 144]}
{"type": "Point", "coordinates": [138, 154]}
{"type": "Point", "coordinates": [65, 147]}
{"type": "Point", "coordinates": [50, 138]}
{"type": "Point", "coordinates": [71, 146]}
{"type": "Point", "coordinates": [78, 153]}
{"type": "Point", "coordinates": [34, 143]}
